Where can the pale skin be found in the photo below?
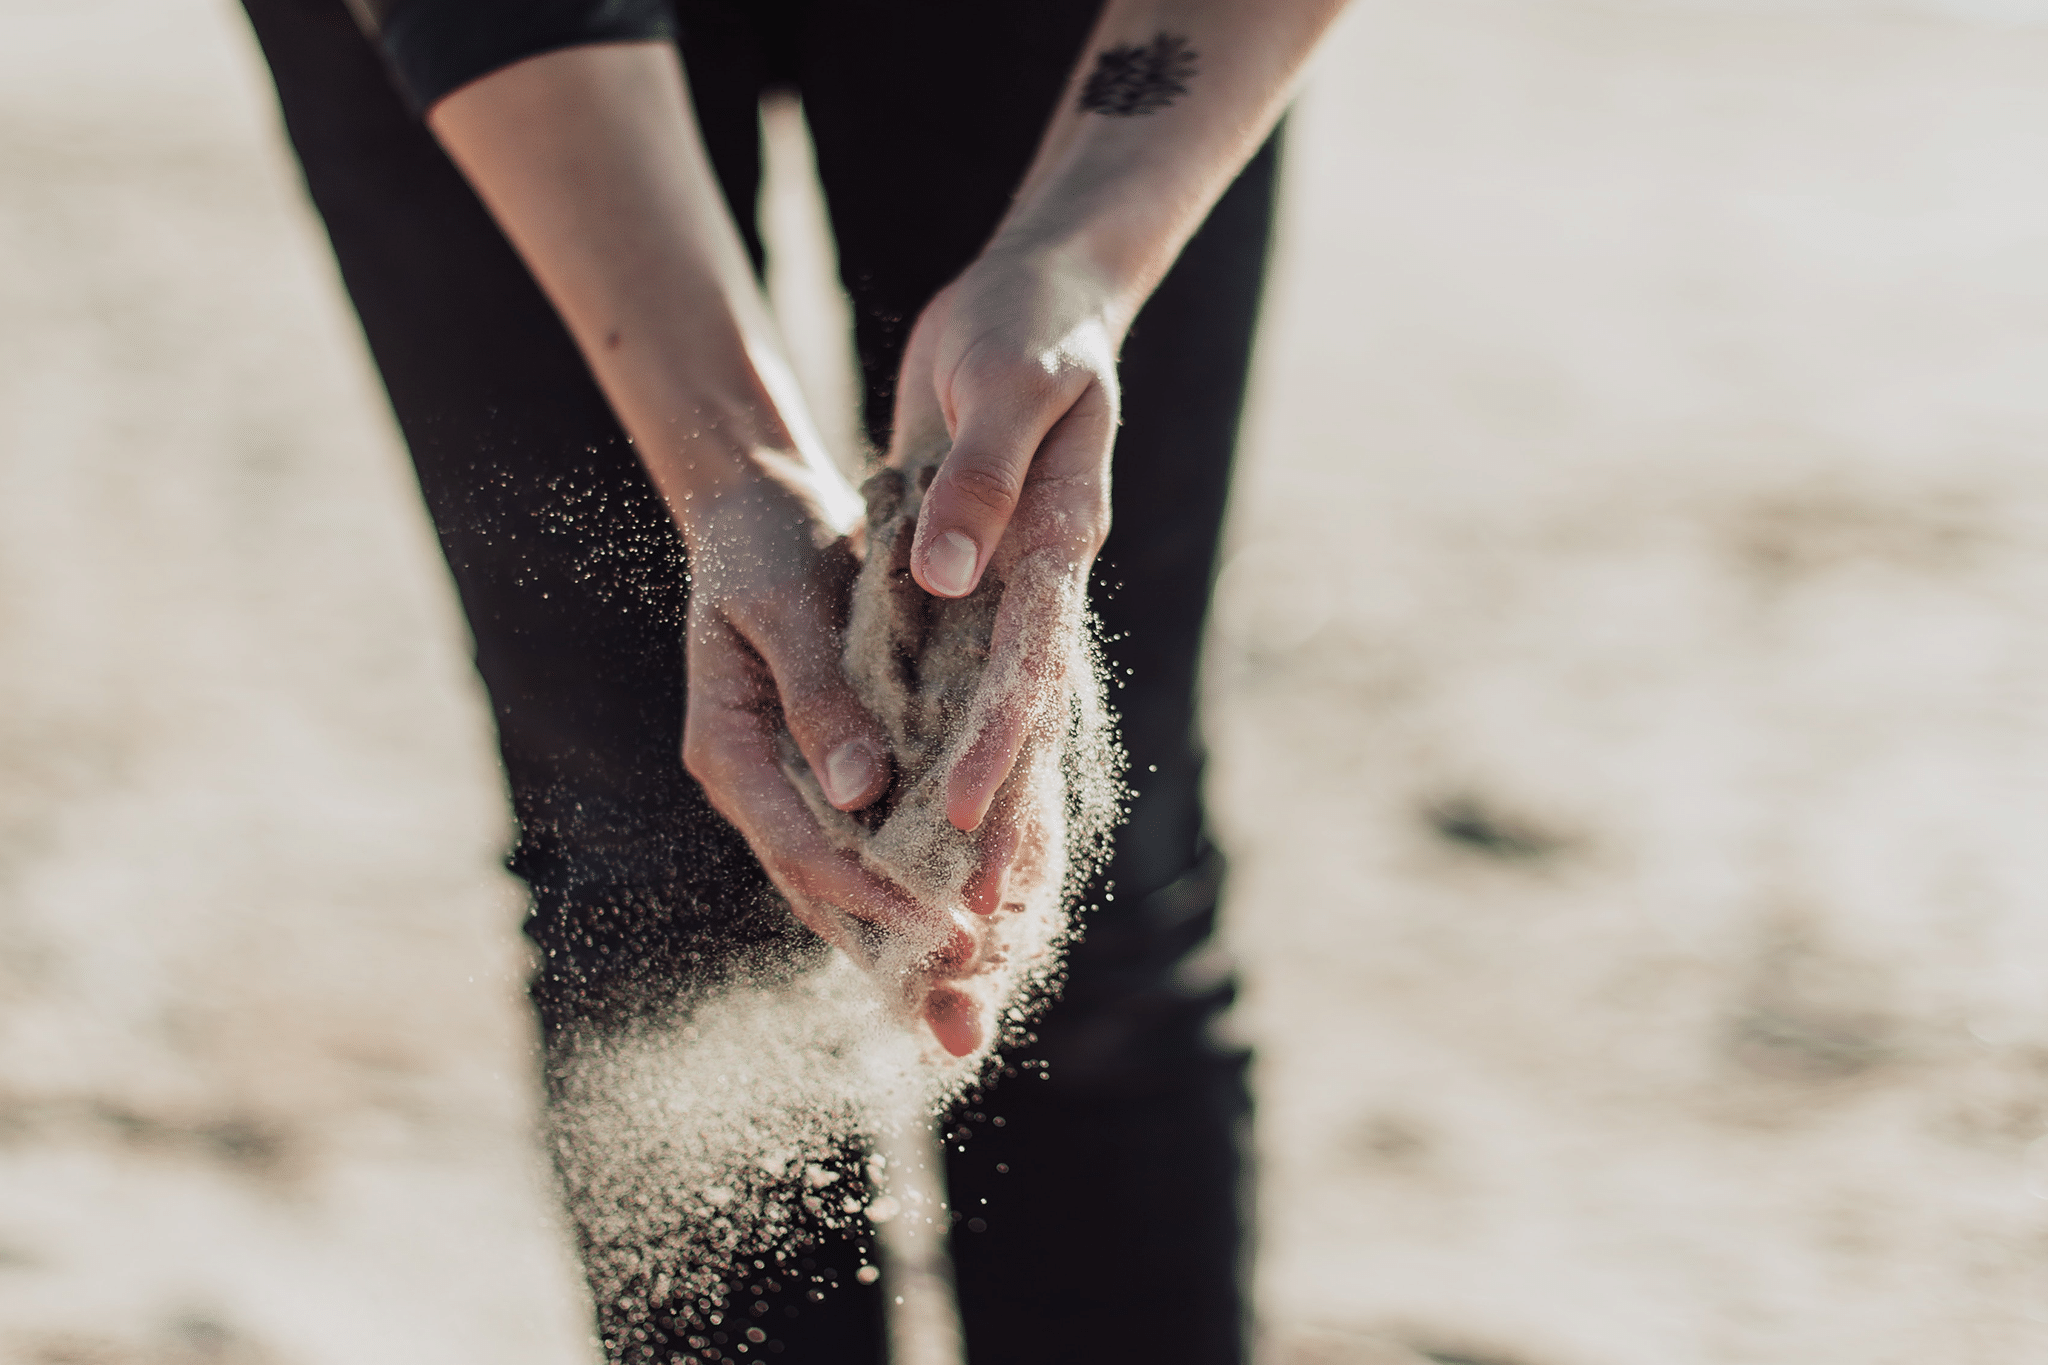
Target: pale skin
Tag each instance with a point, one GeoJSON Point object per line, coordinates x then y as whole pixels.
{"type": "Point", "coordinates": [590, 161]}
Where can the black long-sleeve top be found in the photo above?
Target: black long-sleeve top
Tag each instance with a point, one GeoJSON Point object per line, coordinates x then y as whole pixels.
{"type": "Point", "coordinates": [434, 46]}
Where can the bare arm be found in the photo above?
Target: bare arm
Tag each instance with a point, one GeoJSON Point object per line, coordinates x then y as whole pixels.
{"type": "Point", "coordinates": [1014, 364]}
{"type": "Point", "coordinates": [1168, 102]}
{"type": "Point", "coordinates": [589, 159]}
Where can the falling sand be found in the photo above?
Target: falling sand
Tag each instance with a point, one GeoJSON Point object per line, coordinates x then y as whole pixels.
{"type": "Point", "coordinates": [719, 1136]}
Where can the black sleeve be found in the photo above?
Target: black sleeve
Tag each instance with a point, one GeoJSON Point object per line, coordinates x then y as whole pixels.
{"type": "Point", "coordinates": [434, 46]}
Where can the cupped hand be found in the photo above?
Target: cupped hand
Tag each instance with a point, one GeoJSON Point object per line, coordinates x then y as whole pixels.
{"type": "Point", "coordinates": [1011, 370]}
{"type": "Point", "coordinates": [770, 570]}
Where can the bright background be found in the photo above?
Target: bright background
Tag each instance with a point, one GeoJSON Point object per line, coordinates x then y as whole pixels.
{"type": "Point", "coordinates": [1630, 697]}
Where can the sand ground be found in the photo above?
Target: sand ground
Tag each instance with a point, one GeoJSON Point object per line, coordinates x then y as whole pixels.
{"type": "Point", "coordinates": [1630, 701]}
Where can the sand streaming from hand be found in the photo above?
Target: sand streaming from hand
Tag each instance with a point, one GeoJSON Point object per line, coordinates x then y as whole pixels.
{"type": "Point", "coordinates": [692, 1145]}
{"type": "Point", "coordinates": [704, 1145]}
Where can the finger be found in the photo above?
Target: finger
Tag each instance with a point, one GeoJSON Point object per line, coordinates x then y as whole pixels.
{"type": "Point", "coordinates": [955, 1020]}
{"type": "Point", "coordinates": [837, 928]}
{"type": "Point", "coordinates": [729, 747]}
{"type": "Point", "coordinates": [1015, 846]}
{"type": "Point", "coordinates": [918, 423]}
{"type": "Point", "coordinates": [1036, 622]}
{"type": "Point", "coordinates": [999, 840]}
{"type": "Point", "coordinates": [958, 954]}
{"type": "Point", "coordinates": [1004, 409]}
{"type": "Point", "coordinates": [846, 747]}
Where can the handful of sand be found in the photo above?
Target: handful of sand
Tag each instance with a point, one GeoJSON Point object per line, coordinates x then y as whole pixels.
{"type": "Point", "coordinates": [931, 669]}
{"type": "Point", "coordinates": [733, 1128]}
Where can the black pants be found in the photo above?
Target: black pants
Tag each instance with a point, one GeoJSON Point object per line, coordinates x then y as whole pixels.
{"type": "Point", "coordinates": [1104, 1218]}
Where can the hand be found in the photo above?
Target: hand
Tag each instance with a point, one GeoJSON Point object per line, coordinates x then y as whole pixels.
{"type": "Point", "coordinates": [1012, 370]}
{"type": "Point", "coordinates": [589, 160]}
{"type": "Point", "coordinates": [769, 574]}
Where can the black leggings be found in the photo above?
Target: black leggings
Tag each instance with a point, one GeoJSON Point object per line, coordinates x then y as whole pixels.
{"type": "Point", "coordinates": [1114, 1221]}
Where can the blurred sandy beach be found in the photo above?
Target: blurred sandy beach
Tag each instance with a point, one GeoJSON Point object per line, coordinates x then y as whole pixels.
{"type": "Point", "coordinates": [1629, 696]}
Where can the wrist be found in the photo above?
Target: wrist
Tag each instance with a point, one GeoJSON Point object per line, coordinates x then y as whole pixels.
{"type": "Point", "coordinates": [732, 477]}
{"type": "Point", "coordinates": [721, 426]}
{"type": "Point", "coordinates": [1066, 268]}
{"type": "Point", "coordinates": [1084, 223]}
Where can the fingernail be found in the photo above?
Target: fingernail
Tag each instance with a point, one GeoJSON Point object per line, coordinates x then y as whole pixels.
{"type": "Point", "coordinates": [848, 771]}
{"type": "Point", "coordinates": [949, 563]}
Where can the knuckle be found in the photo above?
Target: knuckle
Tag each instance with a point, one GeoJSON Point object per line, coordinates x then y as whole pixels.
{"type": "Point", "coordinates": [707, 753]}
{"type": "Point", "coordinates": [1000, 366]}
{"type": "Point", "coordinates": [1072, 516]}
{"type": "Point", "coordinates": [1017, 383]}
{"type": "Point", "coordinates": [698, 756]}
{"type": "Point", "coordinates": [1042, 379]}
{"type": "Point", "coordinates": [988, 484]}
{"type": "Point", "coordinates": [1093, 528]}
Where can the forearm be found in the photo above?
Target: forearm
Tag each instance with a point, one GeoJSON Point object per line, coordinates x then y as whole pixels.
{"type": "Point", "coordinates": [589, 160]}
{"type": "Point", "coordinates": [1168, 102]}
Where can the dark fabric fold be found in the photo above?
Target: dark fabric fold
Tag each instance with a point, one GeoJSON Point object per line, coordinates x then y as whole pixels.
{"type": "Point", "coordinates": [436, 46]}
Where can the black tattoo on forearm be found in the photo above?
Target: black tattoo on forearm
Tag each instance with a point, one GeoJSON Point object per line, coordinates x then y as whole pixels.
{"type": "Point", "coordinates": [1139, 79]}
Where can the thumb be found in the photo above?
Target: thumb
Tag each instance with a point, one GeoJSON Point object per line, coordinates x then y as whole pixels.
{"type": "Point", "coordinates": [1002, 410]}
{"type": "Point", "coordinates": [843, 743]}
